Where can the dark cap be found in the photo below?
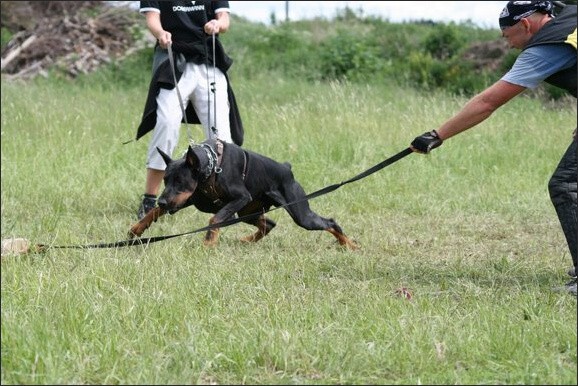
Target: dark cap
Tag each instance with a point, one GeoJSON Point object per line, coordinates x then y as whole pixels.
{"type": "Point", "coordinates": [514, 11]}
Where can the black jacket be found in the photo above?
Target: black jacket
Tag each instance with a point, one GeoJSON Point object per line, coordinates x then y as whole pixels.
{"type": "Point", "coordinates": [560, 30]}
{"type": "Point", "coordinates": [163, 78]}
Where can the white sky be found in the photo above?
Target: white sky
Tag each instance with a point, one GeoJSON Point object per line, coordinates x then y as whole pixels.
{"type": "Point", "coordinates": [482, 13]}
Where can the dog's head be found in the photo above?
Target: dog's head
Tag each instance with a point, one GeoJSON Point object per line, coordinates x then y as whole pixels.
{"type": "Point", "coordinates": [181, 179]}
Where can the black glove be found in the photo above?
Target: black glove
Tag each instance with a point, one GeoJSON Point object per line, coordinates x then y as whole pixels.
{"type": "Point", "coordinates": [427, 142]}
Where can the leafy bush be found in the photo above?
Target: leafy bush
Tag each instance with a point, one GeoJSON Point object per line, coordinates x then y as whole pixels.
{"type": "Point", "coordinates": [347, 56]}
{"type": "Point", "coordinates": [361, 49]}
{"type": "Point", "coordinates": [444, 42]}
{"type": "Point", "coordinates": [459, 58]}
{"type": "Point", "coordinates": [256, 48]}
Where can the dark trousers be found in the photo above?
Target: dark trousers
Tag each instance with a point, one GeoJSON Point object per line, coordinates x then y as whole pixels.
{"type": "Point", "coordinates": [563, 188]}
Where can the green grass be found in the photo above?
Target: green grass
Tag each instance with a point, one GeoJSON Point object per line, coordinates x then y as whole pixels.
{"type": "Point", "coordinates": [468, 229]}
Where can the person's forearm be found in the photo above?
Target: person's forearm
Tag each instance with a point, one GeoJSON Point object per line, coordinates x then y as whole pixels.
{"type": "Point", "coordinates": [154, 25]}
{"type": "Point", "coordinates": [479, 108]}
{"type": "Point", "coordinates": [473, 113]}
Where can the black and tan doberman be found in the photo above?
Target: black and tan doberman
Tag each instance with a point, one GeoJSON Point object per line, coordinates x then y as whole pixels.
{"type": "Point", "coordinates": [225, 179]}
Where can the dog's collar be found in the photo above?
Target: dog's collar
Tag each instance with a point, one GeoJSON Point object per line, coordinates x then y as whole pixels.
{"type": "Point", "coordinates": [213, 158]}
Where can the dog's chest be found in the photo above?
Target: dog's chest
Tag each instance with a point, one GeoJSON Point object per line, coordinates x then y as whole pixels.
{"type": "Point", "coordinates": [211, 191]}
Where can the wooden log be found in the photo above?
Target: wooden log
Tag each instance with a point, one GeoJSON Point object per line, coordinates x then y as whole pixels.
{"type": "Point", "coordinates": [14, 53]}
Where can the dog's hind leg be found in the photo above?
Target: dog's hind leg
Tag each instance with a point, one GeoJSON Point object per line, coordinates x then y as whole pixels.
{"type": "Point", "coordinates": [342, 238]}
{"type": "Point", "coordinates": [138, 229]}
{"type": "Point", "coordinates": [306, 218]}
{"type": "Point", "coordinates": [312, 221]}
{"type": "Point", "coordinates": [264, 226]}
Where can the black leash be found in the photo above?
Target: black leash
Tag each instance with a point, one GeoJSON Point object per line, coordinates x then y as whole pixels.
{"type": "Point", "coordinates": [364, 174]}
{"type": "Point", "coordinates": [222, 224]}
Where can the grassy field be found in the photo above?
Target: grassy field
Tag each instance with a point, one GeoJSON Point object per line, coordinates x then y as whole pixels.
{"type": "Point", "coordinates": [468, 229]}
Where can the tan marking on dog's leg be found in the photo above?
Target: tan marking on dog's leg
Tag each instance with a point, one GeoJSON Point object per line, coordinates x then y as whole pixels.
{"type": "Point", "coordinates": [212, 235]}
{"type": "Point", "coordinates": [254, 237]}
{"type": "Point", "coordinates": [138, 229]}
{"type": "Point", "coordinates": [261, 232]}
{"type": "Point", "coordinates": [343, 240]}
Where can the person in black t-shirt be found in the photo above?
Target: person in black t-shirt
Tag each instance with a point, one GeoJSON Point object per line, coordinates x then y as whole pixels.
{"type": "Point", "coordinates": [187, 29]}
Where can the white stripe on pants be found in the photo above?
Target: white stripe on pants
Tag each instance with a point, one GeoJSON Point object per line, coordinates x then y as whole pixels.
{"type": "Point", "coordinates": [193, 85]}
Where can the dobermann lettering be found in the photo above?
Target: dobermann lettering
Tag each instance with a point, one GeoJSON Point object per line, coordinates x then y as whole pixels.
{"type": "Point", "coordinates": [225, 179]}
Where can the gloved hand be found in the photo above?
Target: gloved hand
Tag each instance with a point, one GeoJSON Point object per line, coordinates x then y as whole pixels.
{"type": "Point", "coordinates": [427, 142]}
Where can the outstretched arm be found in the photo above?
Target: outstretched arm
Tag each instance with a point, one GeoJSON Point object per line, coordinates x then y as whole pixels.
{"type": "Point", "coordinates": [477, 110]}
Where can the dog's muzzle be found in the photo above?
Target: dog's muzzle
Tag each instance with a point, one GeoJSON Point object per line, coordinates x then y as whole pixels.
{"type": "Point", "coordinates": [163, 204]}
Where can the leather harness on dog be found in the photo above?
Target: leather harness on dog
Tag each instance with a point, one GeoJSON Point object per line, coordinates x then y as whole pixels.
{"type": "Point", "coordinates": [209, 185]}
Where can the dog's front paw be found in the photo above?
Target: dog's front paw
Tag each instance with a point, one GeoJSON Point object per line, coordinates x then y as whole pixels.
{"type": "Point", "coordinates": [248, 239]}
{"type": "Point", "coordinates": [136, 230]}
{"type": "Point", "coordinates": [253, 238]}
{"type": "Point", "coordinates": [211, 237]}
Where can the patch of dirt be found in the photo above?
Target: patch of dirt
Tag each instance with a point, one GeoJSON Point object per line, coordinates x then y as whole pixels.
{"type": "Point", "coordinates": [487, 55]}
{"type": "Point", "coordinates": [74, 36]}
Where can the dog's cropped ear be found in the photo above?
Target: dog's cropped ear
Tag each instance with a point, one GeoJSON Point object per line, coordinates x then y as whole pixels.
{"type": "Point", "coordinates": [192, 159]}
{"type": "Point", "coordinates": [165, 156]}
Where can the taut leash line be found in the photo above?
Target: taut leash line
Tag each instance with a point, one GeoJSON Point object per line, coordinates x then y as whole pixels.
{"type": "Point", "coordinates": [182, 105]}
{"type": "Point", "coordinates": [211, 88]}
{"type": "Point", "coordinates": [226, 223]}
{"type": "Point", "coordinates": [215, 130]}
